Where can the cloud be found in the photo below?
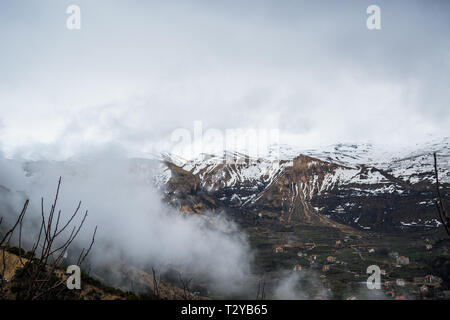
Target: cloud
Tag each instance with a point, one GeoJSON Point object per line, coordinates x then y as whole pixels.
{"type": "Point", "coordinates": [136, 72]}
{"type": "Point", "coordinates": [134, 226]}
{"type": "Point", "coordinates": [304, 285]}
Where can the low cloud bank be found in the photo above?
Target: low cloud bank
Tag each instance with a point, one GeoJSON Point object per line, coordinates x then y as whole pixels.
{"type": "Point", "coordinates": [303, 285]}
{"type": "Point", "coordinates": [134, 226]}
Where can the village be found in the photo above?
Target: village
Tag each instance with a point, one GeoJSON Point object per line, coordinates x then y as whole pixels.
{"type": "Point", "coordinates": [341, 264]}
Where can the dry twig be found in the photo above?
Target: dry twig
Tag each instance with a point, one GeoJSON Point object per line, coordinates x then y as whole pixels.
{"type": "Point", "coordinates": [441, 212]}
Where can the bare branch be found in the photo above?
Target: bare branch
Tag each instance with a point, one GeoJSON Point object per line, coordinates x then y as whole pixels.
{"type": "Point", "coordinates": [82, 257]}
{"type": "Point", "coordinates": [19, 220]}
{"type": "Point", "coordinates": [40, 272]}
{"type": "Point", "coordinates": [155, 285]}
{"type": "Point", "coordinates": [442, 213]}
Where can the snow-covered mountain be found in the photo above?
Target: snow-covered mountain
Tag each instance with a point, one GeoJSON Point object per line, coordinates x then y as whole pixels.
{"type": "Point", "coordinates": [354, 184]}
{"type": "Point", "coordinates": [412, 164]}
{"type": "Point", "coordinates": [357, 185]}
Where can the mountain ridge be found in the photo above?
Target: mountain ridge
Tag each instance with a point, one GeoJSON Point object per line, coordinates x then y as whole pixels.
{"type": "Point", "coordinates": [372, 195]}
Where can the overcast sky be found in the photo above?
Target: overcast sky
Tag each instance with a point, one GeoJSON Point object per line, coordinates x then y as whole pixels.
{"type": "Point", "coordinates": [138, 70]}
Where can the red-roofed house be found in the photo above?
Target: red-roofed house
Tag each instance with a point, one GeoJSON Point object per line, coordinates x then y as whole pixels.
{"type": "Point", "coordinates": [297, 267]}
{"type": "Point", "coordinates": [390, 293]}
{"type": "Point", "coordinates": [403, 260]}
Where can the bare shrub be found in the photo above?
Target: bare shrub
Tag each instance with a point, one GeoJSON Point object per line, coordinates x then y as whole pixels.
{"type": "Point", "coordinates": [441, 212]}
{"type": "Point", "coordinates": [40, 276]}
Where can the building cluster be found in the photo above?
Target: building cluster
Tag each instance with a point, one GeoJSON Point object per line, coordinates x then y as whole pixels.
{"type": "Point", "coordinates": [426, 287]}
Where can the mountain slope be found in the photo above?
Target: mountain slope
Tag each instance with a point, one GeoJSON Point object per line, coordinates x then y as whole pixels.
{"type": "Point", "coordinates": [355, 185]}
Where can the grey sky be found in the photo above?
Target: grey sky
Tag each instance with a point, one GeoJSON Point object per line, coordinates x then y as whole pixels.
{"type": "Point", "coordinates": [137, 70]}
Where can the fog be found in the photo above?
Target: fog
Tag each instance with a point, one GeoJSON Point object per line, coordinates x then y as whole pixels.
{"type": "Point", "coordinates": [138, 70]}
{"type": "Point", "coordinates": [134, 226]}
{"type": "Point", "coordinates": [301, 285]}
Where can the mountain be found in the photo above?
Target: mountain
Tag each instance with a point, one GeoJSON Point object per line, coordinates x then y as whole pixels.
{"type": "Point", "coordinates": [292, 198]}
{"type": "Point", "coordinates": [356, 185]}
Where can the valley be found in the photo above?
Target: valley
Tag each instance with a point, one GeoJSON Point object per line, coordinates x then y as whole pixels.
{"type": "Point", "coordinates": [313, 221]}
{"type": "Point", "coordinates": [308, 248]}
{"type": "Point", "coordinates": [324, 217]}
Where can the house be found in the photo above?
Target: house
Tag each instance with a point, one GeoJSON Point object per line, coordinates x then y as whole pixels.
{"type": "Point", "coordinates": [351, 298]}
{"type": "Point", "coordinates": [390, 293]}
{"type": "Point", "coordinates": [326, 267]}
{"type": "Point", "coordinates": [400, 298]}
{"type": "Point", "coordinates": [383, 272]}
{"type": "Point", "coordinates": [338, 244]}
{"type": "Point", "coordinates": [331, 259]}
{"type": "Point", "coordinates": [428, 247]}
{"type": "Point", "coordinates": [400, 282]}
{"type": "Point", "coordinates": [279, 250]}
{"type": "Point", "coordinates": [313, 259]}
{"type": "Point", "coordinates": [301, 254]}
{"type": "Point", "coordinates": [297, 267]}
{"type": "Point", "coordinates": [371, 250]}
{"type": "Point", "coordinates": [424, 289]}
{"type": "Point", "coordinates": [393, 255]}
{"type": "Point", "coordinates": [403, 260]}
{"type": "Point", "coordinates": [430, 279]}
